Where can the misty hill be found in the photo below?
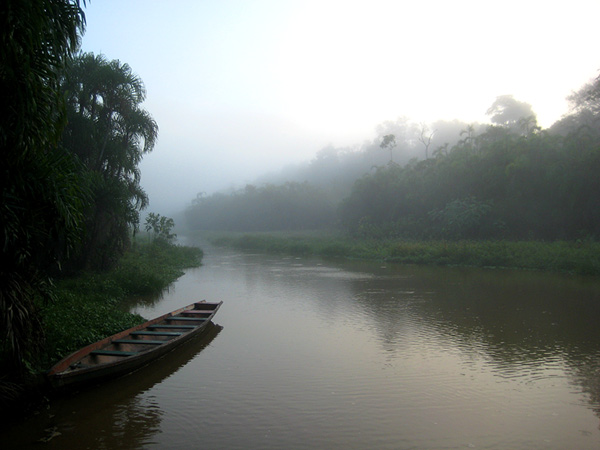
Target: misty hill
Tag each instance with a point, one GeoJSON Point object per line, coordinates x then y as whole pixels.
{"type": "Point", "coordinates": [510, 178]}
{"type": "Point", "coordinates": [335, 169]}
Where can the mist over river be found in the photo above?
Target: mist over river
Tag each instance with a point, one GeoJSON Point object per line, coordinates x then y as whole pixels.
{"type": "Point", "coordinates": [308, 353]}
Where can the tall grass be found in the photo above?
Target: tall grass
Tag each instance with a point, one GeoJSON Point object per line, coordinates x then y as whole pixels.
{"type": "Point", "coordinates": [574, 257]}
{"type": "Point", "coordinates": [151, 265]}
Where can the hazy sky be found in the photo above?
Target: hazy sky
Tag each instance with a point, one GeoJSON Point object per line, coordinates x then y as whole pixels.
{"type": "Point", "coordinates": [239, 88]}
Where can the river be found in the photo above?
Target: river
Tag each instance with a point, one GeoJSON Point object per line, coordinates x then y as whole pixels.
{"type": "Point", "coordinates": [308, 353]}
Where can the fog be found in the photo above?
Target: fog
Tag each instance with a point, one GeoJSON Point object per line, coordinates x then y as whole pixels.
{"type": "Point", "coordinates": [244, 88]}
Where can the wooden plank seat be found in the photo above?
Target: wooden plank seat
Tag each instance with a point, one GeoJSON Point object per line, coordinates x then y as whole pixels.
{"type": "Point", "coordinates": [185, 318]}
{"type": "Point", "coordinates": [138, 341]}
{"type": "Point", "coordinates": [113, 353]}
{"type": "Point", "coordinates": [173, 326]}
{"type": "Point", "coordinates": [204, 307]}
{"type": "Point", "coordinates": [198, 311]}
{"type": "Point", "coordinates": [156, 333]}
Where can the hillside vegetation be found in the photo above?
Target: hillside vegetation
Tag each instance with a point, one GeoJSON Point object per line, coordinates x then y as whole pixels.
{"type": "Point", "coordinates": [510, 179]}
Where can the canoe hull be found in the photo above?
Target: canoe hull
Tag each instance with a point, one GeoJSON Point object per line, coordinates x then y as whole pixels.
{"type": "Point", "coordinates": [70, 372]}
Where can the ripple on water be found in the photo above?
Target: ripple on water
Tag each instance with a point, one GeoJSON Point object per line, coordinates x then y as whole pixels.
{"type": "Point", "coordinates": [356, 356]}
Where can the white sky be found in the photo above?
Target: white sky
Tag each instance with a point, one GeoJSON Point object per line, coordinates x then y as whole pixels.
{"type": "Point", "coordinates": [239, 88]}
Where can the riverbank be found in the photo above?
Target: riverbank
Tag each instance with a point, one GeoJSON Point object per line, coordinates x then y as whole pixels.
{"type": "Point", "coordinates": [580, 257]}
{"type": "Point", "coordinates": [91, 306]}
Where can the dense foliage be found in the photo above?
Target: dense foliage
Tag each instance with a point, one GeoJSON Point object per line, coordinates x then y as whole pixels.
{"type": "Point", "coordinates": [108, 132]}
{"type": "Point", "coordinates": [71, 138]}
{"type": "Point", "coordinates": [530, 184]}
{"type": "Point", "coordinates": [41, 196]}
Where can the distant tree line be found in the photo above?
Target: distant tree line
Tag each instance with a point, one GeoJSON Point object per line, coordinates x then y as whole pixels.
{"type": "Point", "coordinates": [71, 138]}
{"type": "Point", "coordinates": [510, 179]}
{"type": "Point", "coordinates": [290, 206]}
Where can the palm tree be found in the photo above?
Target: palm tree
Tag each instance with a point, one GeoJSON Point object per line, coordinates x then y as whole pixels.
{"type": "Point", "coordinates": [109, 132]}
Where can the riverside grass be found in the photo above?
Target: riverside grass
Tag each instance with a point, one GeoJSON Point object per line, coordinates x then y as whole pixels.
{"type": "Point", "coordinates": [90, 306]}
{"type": "Point", "coordinates": [580, 257]}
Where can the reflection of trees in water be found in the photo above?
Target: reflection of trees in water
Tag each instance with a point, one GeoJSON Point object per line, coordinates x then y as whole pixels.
{"type": "Point", "coordinates": [114, 414]}
{"type": "Point", "coordinates": [146, 300]}
{"type": "Point", "coordinates": [585, 372]}
{"type": "Point", "coordinates": [513, 319]}
{"type": "Point", "coordinates": [131, 425]}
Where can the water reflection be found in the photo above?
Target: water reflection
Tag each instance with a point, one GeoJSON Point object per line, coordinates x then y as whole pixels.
{"type": "Point", "coordinates": [115, 414]}
{"type": "Point", "coordinates": [535, 333]}
{"type": "Point", "coordinates": [522, 324]}
{"type": "Point", "coordinates": [521, 327]}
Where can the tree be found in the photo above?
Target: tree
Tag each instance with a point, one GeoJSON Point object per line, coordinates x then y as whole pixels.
{"type": "Point", "coordinates": [584, 112]}
{"type": "Point", "coordinates": [506, 111]}
{"type": "Point", "coordinates": [41, 199]}
{"type": "Point", "coordinates": [109, 133]}
{"type": "Point", "coordinates": [425, 138]}
{"type": "Point", "coordinates": [527, 125]}
{"type": "Point", "coordinates": [469, 135]}
{"type": "Point", "coordinates": [389, 141]}
{"type": "Point", "coordinates": [587, 98]}
{"type": "Point", "coordinates": [160, 226]}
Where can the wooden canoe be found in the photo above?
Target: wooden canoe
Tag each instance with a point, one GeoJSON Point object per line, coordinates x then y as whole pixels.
{"type": "Point", "coordinates": [131, 349]}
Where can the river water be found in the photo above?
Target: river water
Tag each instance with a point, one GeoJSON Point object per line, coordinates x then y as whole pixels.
{"type": "Point", "coordinates": [308, 353]}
